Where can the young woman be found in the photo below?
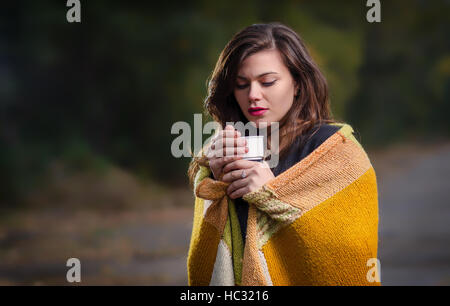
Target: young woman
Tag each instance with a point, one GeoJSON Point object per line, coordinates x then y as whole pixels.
{"type": "Point", "coordinates": [310, 220]}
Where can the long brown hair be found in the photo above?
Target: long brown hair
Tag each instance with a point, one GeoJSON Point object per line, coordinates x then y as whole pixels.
{"type": "Point", "coordinates": [310, 106]}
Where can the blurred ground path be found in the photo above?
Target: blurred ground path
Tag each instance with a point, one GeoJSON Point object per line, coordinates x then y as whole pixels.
{"type": "Point", "coordinates": [115, 248]}
{"type": "Point", "coordinates": [414, 203]}
{"type": "Point", "coordinates": [149, 247]}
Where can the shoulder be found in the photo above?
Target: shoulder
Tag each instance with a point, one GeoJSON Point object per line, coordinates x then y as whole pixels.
{"type": "Point", "coordinates": [319, 134]}
{"type": "Point", "coordinates": [316, 136]}
{"type": "Point", "coordinates": [305, 144]}
{"type": "Point", "coordinates": [319, 141]}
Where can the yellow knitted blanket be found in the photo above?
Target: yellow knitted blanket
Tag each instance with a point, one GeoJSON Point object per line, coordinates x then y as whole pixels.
{"type": "Point", "coordinates": [314, 224]}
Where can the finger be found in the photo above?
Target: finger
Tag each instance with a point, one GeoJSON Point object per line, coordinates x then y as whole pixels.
{"type": "Point", "coordinates": [239, 193]}
{"type": "Point", "coordinates": [229, 127]}
{"type": "Point", "coordinates": [215, 163]}
{"type": "Point", "coordinates": [227, 138]}
{"type": "Point", "coordinates": [210, 153]}
{"type": "Point", "coordinates": [232, 176]}
{"type": "Point", "coordinates": [239, 164]}
{"type": "Point", "coordinates": [237, 185]}
{"type": "Point", "coordinates": [222, 161]}
{"type": "Point", "coordinates": [233, 151]}
{"type": "Point", "coordinates": [228, 133]}
{"type": "Point", "coordinates": [230, 142]}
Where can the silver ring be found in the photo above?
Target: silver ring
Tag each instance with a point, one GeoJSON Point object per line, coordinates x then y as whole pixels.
{"type": "Point", "coordinates": [243, 175]}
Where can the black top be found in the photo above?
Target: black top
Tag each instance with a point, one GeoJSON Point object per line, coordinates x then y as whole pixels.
{"type": "Point", "coordinates": [301, 148]}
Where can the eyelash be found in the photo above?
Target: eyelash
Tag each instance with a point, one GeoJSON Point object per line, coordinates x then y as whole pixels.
{"type": "Point", "coordinates": [267, 84]}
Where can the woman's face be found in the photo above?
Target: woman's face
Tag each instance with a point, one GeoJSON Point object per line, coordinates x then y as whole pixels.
{"type": "Point", "coordinates": [264, 87]}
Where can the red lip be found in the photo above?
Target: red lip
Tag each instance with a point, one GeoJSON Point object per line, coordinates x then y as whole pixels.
{"type": "Point", "coordinates": [257, 111]}
{"type": "Point", "coordinates": [254, 109]}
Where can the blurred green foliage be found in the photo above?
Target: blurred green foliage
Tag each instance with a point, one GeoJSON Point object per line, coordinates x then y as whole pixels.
{"type": "Point", "coordinates": [107, 91]}
{"type": "Point", "coordinates": [405, 75]}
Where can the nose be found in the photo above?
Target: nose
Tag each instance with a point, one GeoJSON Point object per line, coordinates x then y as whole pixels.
{"type": "Point", "coordinates": [254, 93]}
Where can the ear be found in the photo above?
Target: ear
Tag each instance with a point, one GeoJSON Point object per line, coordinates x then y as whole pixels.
{"type": "Point", "coordinates": [296, 90]}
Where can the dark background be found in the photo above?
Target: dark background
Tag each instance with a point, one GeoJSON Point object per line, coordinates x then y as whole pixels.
{"type": "Point", "coordinates": [86, 111]}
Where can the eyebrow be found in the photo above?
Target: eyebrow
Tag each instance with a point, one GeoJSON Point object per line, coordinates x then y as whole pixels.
{"type": "Point", "coordinates": [262, 74]}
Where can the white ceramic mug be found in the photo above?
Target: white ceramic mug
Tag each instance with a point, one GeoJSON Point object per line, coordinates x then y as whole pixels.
{"type": "Point", "coordinates": [255, 146]}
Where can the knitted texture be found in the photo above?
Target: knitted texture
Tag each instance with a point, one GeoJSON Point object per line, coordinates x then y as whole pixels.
{"type": "Point", "coordinates": [214, 226]}
{"type": "Point", "coordinates": [314, 224]}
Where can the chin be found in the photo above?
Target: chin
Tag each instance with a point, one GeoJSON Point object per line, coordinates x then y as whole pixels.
{"type": "Point", "coordinates": [258, 122]}
{"type": "Point", "coordinates": [261, 123]}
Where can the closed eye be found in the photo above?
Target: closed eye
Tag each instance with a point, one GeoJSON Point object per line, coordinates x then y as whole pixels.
{"type": "Point", "coordinates": [265, 84]}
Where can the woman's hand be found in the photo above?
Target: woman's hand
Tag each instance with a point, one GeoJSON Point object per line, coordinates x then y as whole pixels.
{"type": "Point", "coordinates": [246, 176]}
{"type": "Point", "coordinates": [227, 147]}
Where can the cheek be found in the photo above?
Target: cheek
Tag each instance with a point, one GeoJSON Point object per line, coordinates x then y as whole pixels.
{"type": "Point", "coordinates": [240, 98]}
{"type": "Point", "coordinates": [283, 98]}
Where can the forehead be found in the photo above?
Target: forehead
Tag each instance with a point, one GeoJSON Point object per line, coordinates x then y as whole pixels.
{"type": "Point", "coordinates": [262, 62]}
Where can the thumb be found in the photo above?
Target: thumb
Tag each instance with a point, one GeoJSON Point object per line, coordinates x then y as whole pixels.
{"type": "Point", "coordinates": [265, 164]}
